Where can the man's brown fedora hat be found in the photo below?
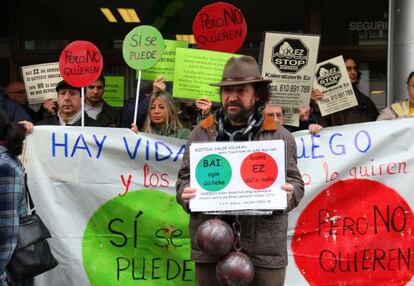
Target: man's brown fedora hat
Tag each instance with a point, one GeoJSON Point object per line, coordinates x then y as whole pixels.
{"type": "Point", "coordinates": [240, 71]}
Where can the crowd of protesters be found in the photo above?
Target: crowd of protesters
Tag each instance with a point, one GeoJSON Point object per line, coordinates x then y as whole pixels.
{"type": "Point", "coordinates": [159, 113]}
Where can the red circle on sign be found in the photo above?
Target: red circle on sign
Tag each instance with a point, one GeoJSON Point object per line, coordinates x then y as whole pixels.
{"type": "Point", "coordinates": [220, 27]}
{"type": "Point", "coordinates": [355, 232]}
{"type": "Point", "coordinates": [259, 170]}
{"type": "Point", "coordinates": [80, 63]}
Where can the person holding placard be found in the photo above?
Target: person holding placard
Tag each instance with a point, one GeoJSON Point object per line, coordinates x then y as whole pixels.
{"type": "Point", "coordinates": [96, 107]}
{"type": "Point", "coordinates": [69, 108]}
{"type": "Point", "coordinates": [244, 94]}
{"type": "Point", "coordinates": [162, 118]}
{"type": "Point", "coordinates": [401, 109]}
{"type": "Point", "coordinates": [365, 111]}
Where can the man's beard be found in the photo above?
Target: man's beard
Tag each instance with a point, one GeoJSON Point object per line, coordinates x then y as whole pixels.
{"type": "Point", "coordinates": [241, 116]}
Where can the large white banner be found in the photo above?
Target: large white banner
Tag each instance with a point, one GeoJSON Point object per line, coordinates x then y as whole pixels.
{"type": "Point", "coordinates": [107, 195]}
{"type": "Point", "coordinates": [355, 223]}
{"type": "Point", "coordinates": [108, 198]}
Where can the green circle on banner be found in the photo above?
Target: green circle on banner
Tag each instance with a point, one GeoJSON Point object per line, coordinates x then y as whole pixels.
{"type": "Point", "coordinates": [141, 238]}
{"type": "Point", "coordinates": [213, 172]}
{"type": "Point", "coordinates": [143, 46]}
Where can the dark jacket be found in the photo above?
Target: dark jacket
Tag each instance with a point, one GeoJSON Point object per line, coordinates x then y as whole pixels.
{"type": "Point", "coordinates": [303, 125]}
{"type": "Point", "coordinates": [264, 238]}
{"type": "Point", "coordinates": [109, 116]}
{"type": "Point", "coordinates": [129, 108]}
{"type": "Point", "coordinates": [54, 120]}
{"type": "Point", "coordinates": [365, 111]}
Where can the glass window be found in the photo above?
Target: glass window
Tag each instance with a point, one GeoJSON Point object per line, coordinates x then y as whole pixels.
{"type": "Point", "coordinates": [51, 25]}
{"type": "Point", "coordinates": [354, 22]}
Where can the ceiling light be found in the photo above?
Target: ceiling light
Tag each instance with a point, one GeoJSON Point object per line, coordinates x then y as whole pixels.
{"type": "Point", "coordinates": [377, 91]}
{"type": "Point", "coordinates": [185, 38]}
{"type": "Point", "coordinates": [108, 14]}
{"type": "Point", "coordinates": [129, 15]}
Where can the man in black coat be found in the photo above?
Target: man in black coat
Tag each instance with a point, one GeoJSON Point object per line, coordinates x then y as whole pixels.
{"type": "Point", "coordinates": [69, 108]}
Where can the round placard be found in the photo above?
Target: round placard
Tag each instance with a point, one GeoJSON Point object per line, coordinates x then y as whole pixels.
{"type": "Point", "coordinates": [220, 27]}
{"type": "Point", "coordinates": [80, 63]}
{"type": "Point", "coordinates": [142, 48]}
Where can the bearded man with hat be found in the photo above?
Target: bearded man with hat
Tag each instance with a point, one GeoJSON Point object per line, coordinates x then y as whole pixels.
{"type": "Point", "coordinates": [244, 94]}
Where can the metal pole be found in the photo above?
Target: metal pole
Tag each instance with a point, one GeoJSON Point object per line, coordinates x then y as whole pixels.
{"type": "Point", "coordinates": [400, 48]}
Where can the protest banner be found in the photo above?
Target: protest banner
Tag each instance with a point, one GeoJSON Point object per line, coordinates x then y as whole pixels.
{"type": "Point", "coordinates": [333, 81]}
{"type": "Point", "coordinates": [195, 70]}
{"type": "Point", "coordinates": [114, 90]}
{"type": "Point", "coordinates": [289, 60]}
{"type": "Point", "coordinates": [165, 66]}
{"type": "Point", "coordinates": [107, 195]}
{"type": "Point", "coordinates": [220, 27]}
{"type": "Point", "coordinates": [354, 226]}
{"type": "Point", "coordinates": [250, 182]}
{"type": "Point", "coordinates": [40, 82]}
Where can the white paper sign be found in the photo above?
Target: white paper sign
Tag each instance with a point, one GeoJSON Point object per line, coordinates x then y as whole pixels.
{"type": "Point", "coordinates": [238, 175]}
{"type": "Point", "coordinates": [289, 60]}
{"type": "Point", "coordinates": [40, 82]}
{"type": "Point", "coordinates": [333, 80]}
{"type": "Point", "coordinates": [291, 116]}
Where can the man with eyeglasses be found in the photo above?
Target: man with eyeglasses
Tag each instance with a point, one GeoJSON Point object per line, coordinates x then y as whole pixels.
{"type": "Point", "coordinates": [365, 111]}
{"type": "Point", "coordinates": [69, 108]}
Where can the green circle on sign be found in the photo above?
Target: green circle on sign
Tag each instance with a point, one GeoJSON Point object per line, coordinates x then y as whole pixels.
{"type": "Point", "coordinates": [143, 46]}
{"type": "Point", "coordinates": [213, 172]}
{"type": "Point", "coordinates": [141, 238]}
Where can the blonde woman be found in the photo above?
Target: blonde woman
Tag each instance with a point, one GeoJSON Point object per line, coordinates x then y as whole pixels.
{"type": "Point", "coordinates": [162, 118]}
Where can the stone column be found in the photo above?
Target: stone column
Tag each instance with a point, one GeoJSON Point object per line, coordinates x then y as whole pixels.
{"type": "Point", "coordinates": [400, 48]}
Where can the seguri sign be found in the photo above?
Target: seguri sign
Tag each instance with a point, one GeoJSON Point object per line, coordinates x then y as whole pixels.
{"type": "Point", "coordinates": [368, 25]}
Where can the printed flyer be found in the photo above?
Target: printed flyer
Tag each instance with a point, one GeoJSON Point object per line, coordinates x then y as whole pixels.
{"type": "Point", "coordinates": [238, 175]}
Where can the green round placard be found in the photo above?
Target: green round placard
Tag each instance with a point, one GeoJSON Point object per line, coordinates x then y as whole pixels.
{"type": "Point", "coordinates": [143, 46]}
{"type": "Point", "coordinates": [213, 172]}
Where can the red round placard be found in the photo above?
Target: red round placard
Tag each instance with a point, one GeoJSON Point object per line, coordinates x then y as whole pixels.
{"type": "Point", "coordinates": [80, 63]}
{"type": "Point", "coordinates": [355, 232]}
{"type": "Point", "coordinates": [220, 27]}
{"type": "Point", "coordinates": [259, 170]}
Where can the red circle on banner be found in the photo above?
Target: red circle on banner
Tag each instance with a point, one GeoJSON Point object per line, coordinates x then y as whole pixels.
{"type": "Point", "coordinates": [220, 27]}
{"type": "Point", "coordinates": [259, 170]}
{"type": "Point", "coordinates": [80, 63]}
{"type": "Point", "coordinates": [355, 232]}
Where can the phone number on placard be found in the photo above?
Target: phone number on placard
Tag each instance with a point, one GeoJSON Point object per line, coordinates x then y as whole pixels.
{"type": "Point", "coordinates": [291, 88]}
